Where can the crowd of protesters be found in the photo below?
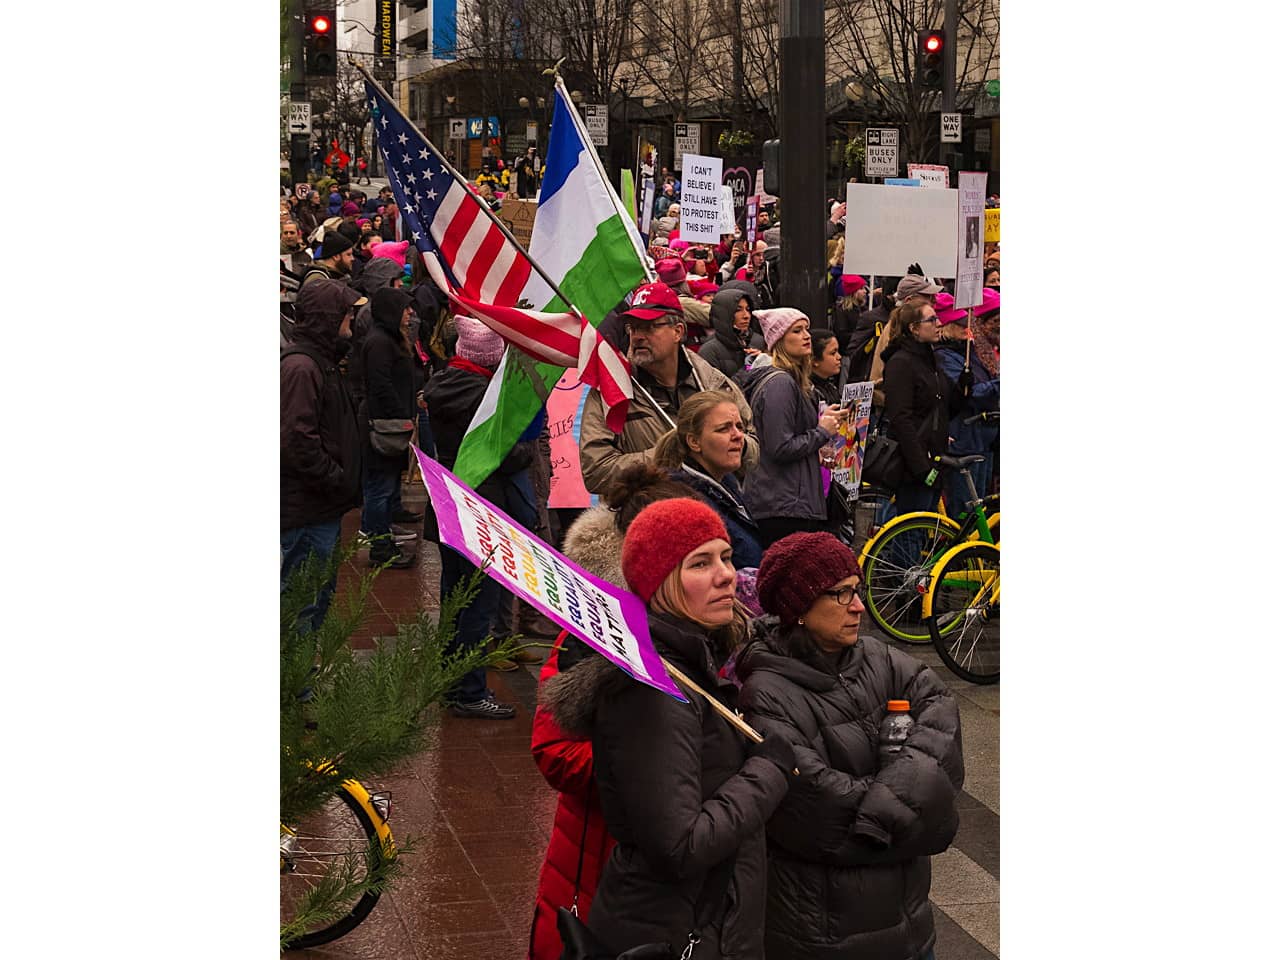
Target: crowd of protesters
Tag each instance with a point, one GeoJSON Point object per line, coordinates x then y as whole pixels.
{"type": "Point", "coordinates": [715, 508]}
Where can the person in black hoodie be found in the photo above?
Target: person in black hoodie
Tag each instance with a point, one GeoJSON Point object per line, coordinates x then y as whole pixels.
{"type": "Point", "coordinates": [849, 846]}
{"type": "Point", "coordinates": [320, 448]}
{"type": "Point", "coordinates": [918, 403]}
{"type": "Point", "coordinates": [733, 340]}
{"type": "Point", "coordinates": [379, 272]}
{"type": "Point", "coordinates": [388, 384]}
{"type": "Point", "coordinates": [453, 395]}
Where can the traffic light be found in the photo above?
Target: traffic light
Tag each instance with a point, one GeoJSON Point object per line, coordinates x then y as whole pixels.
{"type": "Point", "coordinates": [930, 50]}
{"type": "Point", "coordinates": [318, 41]}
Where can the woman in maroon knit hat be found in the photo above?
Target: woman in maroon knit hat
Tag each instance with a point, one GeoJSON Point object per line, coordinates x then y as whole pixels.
{"type": "Point", "coordinates": [859, 826]}
{"type": "Point", "coordinates": [685, 794]}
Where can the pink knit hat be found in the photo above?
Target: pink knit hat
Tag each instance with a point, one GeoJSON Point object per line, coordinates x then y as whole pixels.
{"type": "Point", "coordinates": [776, 322]}
{"type": "Point", "coordinates": [478, 343]}
{"type": "Point", "coordinates": [851, 283]}
{"type": "Point", "coordinates": [946, 310]}
{"type": "Point", "coordinates": [678, 245]}
{"type": "Point", "coordinates": [670, 271]}
{"type": "Point", "coordinates": [990, 302]}
{"type": "Point", "coordinates": [392, 251]}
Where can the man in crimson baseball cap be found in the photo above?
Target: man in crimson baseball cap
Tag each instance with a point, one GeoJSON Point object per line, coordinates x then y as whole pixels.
{"type": "Point", "coordinates": [653, 301]}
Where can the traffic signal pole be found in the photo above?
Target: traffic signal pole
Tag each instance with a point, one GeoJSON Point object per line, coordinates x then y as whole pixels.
{"type": "Point", "coordinates": [804, 124]}
{"type": "Point", "coordinates": [299, 143]}
{"type": "Point", "coordinates": [950, 17]}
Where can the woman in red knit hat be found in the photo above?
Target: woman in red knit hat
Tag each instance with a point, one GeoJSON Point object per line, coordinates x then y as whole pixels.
{"type": "Point", "coordinates": [859, 826]}
{"type": "Point", "coordinates": [685, 795]}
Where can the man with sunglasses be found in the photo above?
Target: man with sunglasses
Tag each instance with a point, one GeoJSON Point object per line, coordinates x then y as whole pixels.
{"type": "Point", "coordinates": [663, 375]}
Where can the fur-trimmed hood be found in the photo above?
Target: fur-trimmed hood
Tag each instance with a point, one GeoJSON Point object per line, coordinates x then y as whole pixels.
{"type": "Point", "coordinates": [594, 543]}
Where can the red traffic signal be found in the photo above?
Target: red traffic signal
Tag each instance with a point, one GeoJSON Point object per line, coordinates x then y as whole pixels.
{"type": "Point", "coordinates": [929, 53]}
{"type": "Point", "coordinates": [320, 23]}
{"type": "Point", "coordinates": [319, 48]}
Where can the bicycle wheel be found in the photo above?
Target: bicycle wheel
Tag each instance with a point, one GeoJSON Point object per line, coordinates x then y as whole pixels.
{"type": "Point", "coordinates": [340, 833]}
{"type": "Point", "coordinates": [963, 611]}
{"type": "Point", "coordinates": [895, 569]}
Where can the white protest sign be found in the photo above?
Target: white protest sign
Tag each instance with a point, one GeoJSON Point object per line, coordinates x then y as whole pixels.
{"type": "Point", "coordinates": [726, 209]}
{"type": "Point", "coordinates": [951, 128]}
{"type": "Point", "coordinates": [881, 157]}
{"type": "Point", "coordinates": [688, 140]}
{"type": "Point", "coordinates": [647, 197]}
{"type": "Point", "coordinates": [700, 199]}
{"type": "Point", "coordinates": [930, 174]}
{"type": "Point", "coordinates": [970, 226]}
{"type": "Point", "coordinates": [887, 229]}
{"type": "Point", "coordinates": [610, 620]}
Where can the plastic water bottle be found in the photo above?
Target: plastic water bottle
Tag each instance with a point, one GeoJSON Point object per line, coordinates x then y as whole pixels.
{"type": "Point", "coordinates": [894, 729]}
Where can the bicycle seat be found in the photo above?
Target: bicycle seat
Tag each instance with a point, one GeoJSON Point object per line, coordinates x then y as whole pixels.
{"type": "Point", "coordinates": [958, 463]}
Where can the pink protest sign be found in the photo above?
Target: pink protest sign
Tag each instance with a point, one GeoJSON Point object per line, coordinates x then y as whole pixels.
{"type": "Point", "coordinates": [564, 412]}
{"type": "Point", "coordinates": [610, 620]}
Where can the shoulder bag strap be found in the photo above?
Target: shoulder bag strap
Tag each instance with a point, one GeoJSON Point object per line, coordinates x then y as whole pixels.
{"type": "Point", "coordinates": [582, 849]}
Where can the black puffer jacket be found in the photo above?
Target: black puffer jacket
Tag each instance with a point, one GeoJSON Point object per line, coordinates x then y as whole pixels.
{"type": "Point", "coordinates": [849, 846]}
{"type": "Point", "coordinates": [725, 350]}
{"type": "Point", "coordinates": [388, 370]}
{"type": "Point", "coordinates": [918, 402]}
{"type": "Point", "coordinates": [680, 795]}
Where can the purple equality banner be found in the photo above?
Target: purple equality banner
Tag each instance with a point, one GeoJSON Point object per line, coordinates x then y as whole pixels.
{"type": "Point", "coordinates": [610, 620]}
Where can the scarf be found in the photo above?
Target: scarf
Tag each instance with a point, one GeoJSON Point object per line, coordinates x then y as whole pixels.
{"type": "Point", "coordinates": [462, 363]}
{"type": "Point", "coordinates": [987, 352]}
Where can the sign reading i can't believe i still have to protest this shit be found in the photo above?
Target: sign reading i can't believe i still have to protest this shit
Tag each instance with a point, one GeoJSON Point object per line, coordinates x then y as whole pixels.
{"type": "Point", "coordinates": [610, 620]}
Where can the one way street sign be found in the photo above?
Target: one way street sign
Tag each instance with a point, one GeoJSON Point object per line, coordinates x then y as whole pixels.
{"type": "Point", "coordinates": [299, 117]}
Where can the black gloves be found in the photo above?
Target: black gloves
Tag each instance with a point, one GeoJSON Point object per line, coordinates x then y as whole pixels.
{"type": "Point", "coordinates": [777, 750]}
{"type": "Point", "coordinates": [965, 382]}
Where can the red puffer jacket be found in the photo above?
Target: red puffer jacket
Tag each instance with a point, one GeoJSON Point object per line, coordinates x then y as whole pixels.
{"type": "Point", "coordinates": [579, 825]}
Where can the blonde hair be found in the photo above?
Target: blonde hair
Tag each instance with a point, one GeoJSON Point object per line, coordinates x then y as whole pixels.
{"type": "Point", "coordinates": [670, 598]}
{"type": "Point", "coordinates": [835, 251]}
{"type": "Point", "coordinates": [672, 449]}
{"type": "Point", "coordinates": [799, 369]}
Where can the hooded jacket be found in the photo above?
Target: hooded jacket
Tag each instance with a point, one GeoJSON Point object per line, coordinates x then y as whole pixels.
{"type": "Point", "coordinates": [724, 350]}
{"type": "Point", "coordinates": [377, 273]}
{"type": "Point", "coordinates": [388, 368]}
{"type": "Point", "coordinates": [849, 846]}
{"type": "Point", "coordinates": [788, 480]}
{"type": "Point", "coordinates": [320, 448]}
{"type": "Point", "coordinates": [918, 402]}
{"type": "Point", "coordinates": [566, 762]}
{"type": "Point", "coordinates": [681, 796]}
{"type": "Point", "coordinates": [603, 453]}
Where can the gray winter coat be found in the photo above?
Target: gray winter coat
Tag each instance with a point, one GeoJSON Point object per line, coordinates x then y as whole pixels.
{"type": "Point", "coordinates": [849, 847]}
{"type": "Point", "coordinates": [682, 797]}
{"type": "Point", "coordinates": [724, 350]}
{"type": "Point", "coordinates": [788, 480]}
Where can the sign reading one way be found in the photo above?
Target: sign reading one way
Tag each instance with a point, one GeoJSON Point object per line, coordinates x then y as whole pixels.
{"type": "Point", "coordinates": [881, 158]}
{"type": "Point", "coordinates": [299, 117]}
{"type": "Point", "coordinates": [951, 128]}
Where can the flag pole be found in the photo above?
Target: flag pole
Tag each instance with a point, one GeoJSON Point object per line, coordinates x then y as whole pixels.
{"type": "Point", "coordinates": [649, 275]}
{"type": "Point", "coordinates": [484, 207]}
{"type": "Point", "coordinates": [968, 340]}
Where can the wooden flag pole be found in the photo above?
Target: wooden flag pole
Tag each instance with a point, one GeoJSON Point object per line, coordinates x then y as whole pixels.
{"type": "Point", "coordinates": [968, 340]}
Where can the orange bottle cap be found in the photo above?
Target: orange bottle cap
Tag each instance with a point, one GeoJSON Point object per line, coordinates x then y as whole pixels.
{"type": "Point", "coordinates": [899, 706]}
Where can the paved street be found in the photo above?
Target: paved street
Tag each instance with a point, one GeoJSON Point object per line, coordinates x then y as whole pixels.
{"type": "Point", "coordinates": [482, 815]}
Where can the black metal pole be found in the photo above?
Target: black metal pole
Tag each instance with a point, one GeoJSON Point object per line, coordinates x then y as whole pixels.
{"type": "Point", "coordinates": [299, 143]}
{"type": "Point", "coordinates": [803, 78]}
{"type": "Point", "coordinates": [950, 22]}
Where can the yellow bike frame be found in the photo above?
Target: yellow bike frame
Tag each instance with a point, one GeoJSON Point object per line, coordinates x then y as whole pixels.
{"type": "Point", "coordinates": [990, 579]}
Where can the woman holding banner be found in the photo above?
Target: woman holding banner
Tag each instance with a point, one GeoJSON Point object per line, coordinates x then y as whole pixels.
{"type": "Point", "coordinates": [684, 793]}
{"type": "Point", "coordinates": [849, 847]}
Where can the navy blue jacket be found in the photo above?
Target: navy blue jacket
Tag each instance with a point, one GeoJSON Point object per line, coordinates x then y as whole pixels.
{"type": "Point", "coordinates": [726, 498]}
{"type": "Point", "coordinates": [977, 437]}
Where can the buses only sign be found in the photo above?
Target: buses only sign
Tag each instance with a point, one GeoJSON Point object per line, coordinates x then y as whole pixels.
{"type": "Point", "coordinates": [881, 158]}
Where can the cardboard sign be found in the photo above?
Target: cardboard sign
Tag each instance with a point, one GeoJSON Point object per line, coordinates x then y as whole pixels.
{"type": "Point", "coordinates": [992, 232]}
{"type": "Point", "coordinates": [888, 228]}
{"type": "Point", "coordinates": [518, 215]}
{"type": "Point", "coordinates": [610, 620]}
{"type": "Point", "coordinates": [700, 199]}
{"type": "Point", "coordinates": [564, 422]}
{"type": "Point", "coordinates": [973, 193]}
{"type": "Point", "coordinates": [726, 209]}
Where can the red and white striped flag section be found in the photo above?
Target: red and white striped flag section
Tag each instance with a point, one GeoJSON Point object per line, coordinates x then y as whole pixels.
{"type": "Point", "coordinates": [565, 340]}
{"type": "Point", "coordinates": [469, 256]}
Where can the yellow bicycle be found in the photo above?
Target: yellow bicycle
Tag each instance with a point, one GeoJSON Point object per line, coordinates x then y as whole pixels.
{"type": "Point", "coordinates": [961, 609]}
{"type": "Point", "coordinates": [349, 840]}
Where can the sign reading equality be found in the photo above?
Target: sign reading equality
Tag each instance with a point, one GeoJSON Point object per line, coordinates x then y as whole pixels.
{"type": "Point", "coordinates": [610, 620]}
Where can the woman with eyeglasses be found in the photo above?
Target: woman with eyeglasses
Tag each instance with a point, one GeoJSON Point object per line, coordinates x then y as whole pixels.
{"type": "Point", "coordinates": [919, 401]}
{"type": "Point", "coordinates": [849, 846]}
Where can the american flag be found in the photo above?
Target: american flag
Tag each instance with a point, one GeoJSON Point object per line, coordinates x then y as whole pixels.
{"type": "Point", "coordinates": [469, 257]}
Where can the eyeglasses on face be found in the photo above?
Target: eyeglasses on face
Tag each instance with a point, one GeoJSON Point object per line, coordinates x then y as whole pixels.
{"type": "Point", "coordinates": [646, 326]}
{"type": "Point", "coordinates": [844, 596]}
